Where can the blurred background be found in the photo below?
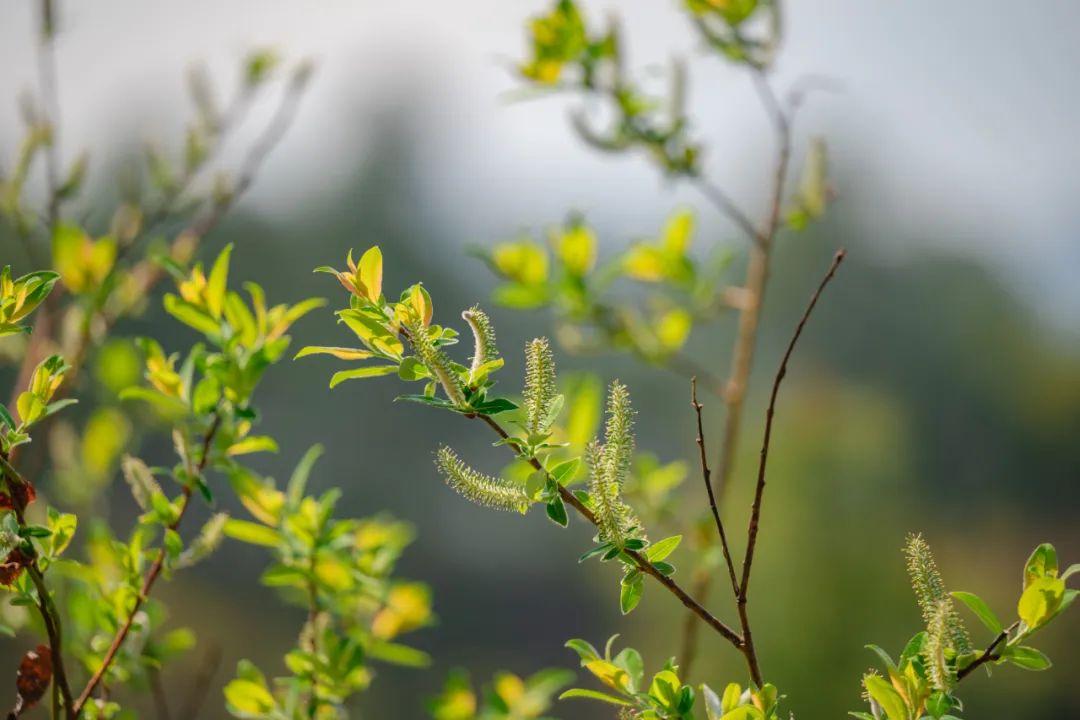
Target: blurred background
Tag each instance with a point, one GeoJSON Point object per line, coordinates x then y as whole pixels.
{"type": "Point", "coordinates": [937, 388]}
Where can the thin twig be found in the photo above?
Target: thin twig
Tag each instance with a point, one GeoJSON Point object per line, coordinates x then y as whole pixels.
{"type": "Point", "coordinates": [50, 617]}
{"type": "Point", "coordinates": [706, 477]}
{"type": "Point", "coordinates": [759, 492]}
{"type": "Point", "coordinates": [640, 560]}
{"type": "Point", "coordinates": [989, 654]}
{"type": "Point", "coordinates": [151, 575]}
{"type": "Point", "coordinates": [722, 202]}
{"type": "Point", "coordinates": [757, 276]}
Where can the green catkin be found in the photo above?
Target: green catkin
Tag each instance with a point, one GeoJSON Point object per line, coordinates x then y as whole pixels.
{"type": "Point", "coordinates": [609, 464]}
{"type": "Point", "coordinates": [438, 362]}
{"type": "Point", "coordinates": [479, 488]}
{"type": "Point", "coordinates": [931, 594]}
{"type": "Point", "coordinates": [619, 432]}
{"type": "Point", "coordinates": [540, 387]}
{"type": "Point", "coordinates": [484, 349]}
{"type": "Point", "coordinates": [937, 640]}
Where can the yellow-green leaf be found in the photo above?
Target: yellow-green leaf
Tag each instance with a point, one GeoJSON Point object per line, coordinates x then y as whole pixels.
{"type": "Point", "coordinates": [216, 283]}
{"type": "Point", "coordinates": [252, 533]}
{"type": "Point", "coordinates": [369, 273]}
{"type": "Point", "coordinates": [1040, 600]}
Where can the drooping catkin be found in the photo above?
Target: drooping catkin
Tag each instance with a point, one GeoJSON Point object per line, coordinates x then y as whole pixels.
{"type": "Point", "coordinates": [937, 640]}
{"type": "Point", "coordinates": [438, 362]}
{"type": "Point", "coordinates": [479, 488]}
{"type": "Point", "coordinates": [484, 349]}
{"type": "Point", "coordinates": [931, 593]}
{"type": "Point", "coordinates": [609, 464]}
{"type": "Point", "coordinates": [540, 386]}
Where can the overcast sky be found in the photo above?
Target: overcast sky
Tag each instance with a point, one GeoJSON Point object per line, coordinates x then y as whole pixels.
{"type": "Point", "coordinates": [956, 122]}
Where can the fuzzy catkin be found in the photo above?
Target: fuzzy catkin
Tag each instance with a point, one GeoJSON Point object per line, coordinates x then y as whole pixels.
{"type": "Point", "coordinates": [479, 488]}
{"type": "Point", "coordinates": [438, 362]}
{"type": "Point", "coordinates": [609, 464]}
{"type": "Point", "coordinates": [937, 639]}
{"type": "Point", "coordinates": [540, 387]}
{"type": "Point", "coordinates": [484, 348]}
{"type": "Point", "coordinates": [931, 594]}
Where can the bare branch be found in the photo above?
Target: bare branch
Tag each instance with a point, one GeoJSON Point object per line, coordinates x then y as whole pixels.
{"type": "Point", "coordinates": [706, 476]}
{"type": "Point", "coordinates": [755, 512]}
{"type": "Point", "coordinates": [640, 560]}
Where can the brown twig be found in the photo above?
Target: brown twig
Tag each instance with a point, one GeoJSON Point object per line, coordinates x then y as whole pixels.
{"type": "Point", "coordinates": [759, 491]}
{"type": "Point", "coordinates": [706, 477]}
{"type": "Point", "coordinates": [152, 575]}
{"type": "Point", "coordinates": [989, 654]}
{"type": "Point", "coordinates": [640, 560]}
{"type": "Point", "coordinates": [49, 615]}
{"type": "Point", "coordinates": [757, 275]}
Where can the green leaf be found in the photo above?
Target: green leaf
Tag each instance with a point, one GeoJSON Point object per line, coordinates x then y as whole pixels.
{"type": "Point", "coordinates": [593, 695]}
{"type": "Point", "coordinates": [428, 400]}
{"type": "Point", "coordinates": [1027, 658]}
{"type": "Point", "coordinates": [412, 369]}
{"type": "Point", "coordinates": [494, 406]}
{"type": "Point", "coordinates": [885, 658]}
{"type": "Point", "coordinates": [1042, 563]}
{"type": "Point", "coordinates": [298, 479]}
{"type": "Point", "coordinates": [564, 472]}
{"type": "Point", "coordinates": [253, 444]}
{"type": "Point", "coordinates": [249, 698]}
{"type": "Point", "coordinates": [745, 712]}
{"type": "Point", "coordinates": [216, 282]}
{"type": "Point", "coordinates": [598, 550]}
{"type": "Point", "coordinates": [1070, 571]}
{"type": "Point", "coordinates": [890, 701]}
{"type": "Point", "coordinates": [978, 606]}
{"type": "Point", "coordinates": [191, 315]}
{"type": "Point", "coordinates": [556, 512]}
{"type": "Point", "coordinates": [630, 592]}
{"type": "Point", "coordinates": [364, 372]}
{"type": "Point", "coordinates": [662, 548]}
{"type": "Point", "coordinates": [713, 709]}
{"type": "Point", "coordinates": [584, 649]}
{"type": "Point", "coordinates": [165, 404]}
{"type": "Point", "coordinates": [397, 654]}
{"type": "Point", "coordinates": [1039, 601]}
{"type": "Point", "coordinates": [370, 273]}
{"type": "Point", "coordinates": [342, 353]}
{"type": "Point", "coordinates": [5, 418]}
{"type": "Point", "coordinates": [252, 533]}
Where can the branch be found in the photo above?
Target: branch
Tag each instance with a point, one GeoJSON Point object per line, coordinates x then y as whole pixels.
{"type": "Point", "coordinates": [706, 477]}
{"type": "Point", "coordinates": [759, 492]}
{"type": "Point", "coordinates": [640, 560]}
{"type": "Point", "coordinates": [757, 276]}
{"type": "Point", "coordinates": [147, 274]}
{"type": "Point", "coordinates": [722, 202]}
{"type": "Point", "coordinates": [988, 655]}
{"type": "Point", "coordinates": [49, 615]}
{"type": "Point", "coordinates": [151, 575]}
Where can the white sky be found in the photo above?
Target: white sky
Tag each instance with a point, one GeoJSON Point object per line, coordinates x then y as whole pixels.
{"type": "Point", "coordinates": [957, 120]}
